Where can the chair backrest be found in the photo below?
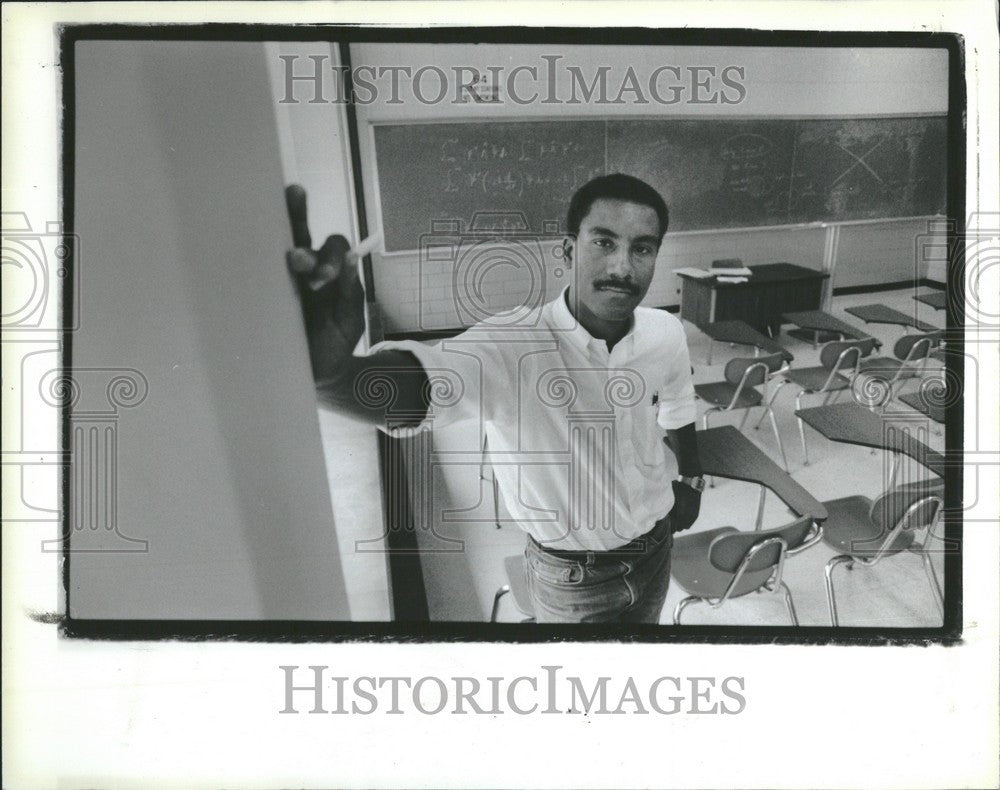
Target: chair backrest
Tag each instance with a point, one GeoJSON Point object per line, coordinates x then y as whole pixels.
{"type": "Point", "coordinates": [845, 354]}
{"type": "Point", "coordinates": [759, 368]}
{"type": "Point", "coordinates": [916, 505]}
{"type": "Point", "coordinates": [919, 346]}
{"type": "Point", "coordinates": [728, 551]}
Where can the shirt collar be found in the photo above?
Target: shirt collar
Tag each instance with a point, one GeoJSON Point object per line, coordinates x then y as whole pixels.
{"type": "Point", "coordinates": [562, 320]}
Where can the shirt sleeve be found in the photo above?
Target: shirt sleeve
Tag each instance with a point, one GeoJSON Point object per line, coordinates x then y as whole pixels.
{"type": "Point", "coordinates": [677, 407]}
{"type": "Point", "coordinates": [455, 372]}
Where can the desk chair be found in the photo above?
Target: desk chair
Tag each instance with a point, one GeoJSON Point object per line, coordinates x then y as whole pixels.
{"type": "Point", "coordinates": [517, 586]}
{"type": "Point", "coordinates": [839, 363]}
{"type": "Point", "coordinates": [867, 532]}
{"type": "Point", "coordinates": [887, 372]}
{"type": "Point", "coordinates": [738, 391]}
{"type": "Point", "coordinates": [719, 564]}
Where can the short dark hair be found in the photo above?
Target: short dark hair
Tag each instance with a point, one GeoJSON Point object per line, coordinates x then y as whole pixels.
{"type": "Point", "coordinates": [616, 186]}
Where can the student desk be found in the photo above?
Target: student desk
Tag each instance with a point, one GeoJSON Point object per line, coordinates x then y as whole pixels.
{"type": "Point", "coordinates": [725, 452]}
{"type": "Point", "coordinates": [932, 410]}
{"type": "Point", "coordinates": [742, 334]}
{"type": "Point", "coordinates": [853, 424]}
{"type": "Point", "coordinates": [821, 326]}
{"type": "Point", "coordinates": [771, 290]}
{"type": "Point", "coordinates": [880, 314]}
{"type": "Point", "coordinates": [936, 299]}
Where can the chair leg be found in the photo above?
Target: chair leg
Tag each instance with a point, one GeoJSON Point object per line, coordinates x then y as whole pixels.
{"type": "Point", "coordinates": [496, 501]}
{"type": "Point", "coordinates": [830, 599]}
{"type": "Point", "coordinates": [802, 436]}
{"type": "Point", "coordinates": [789, 603]}
{"type": "Point", "coordinates": [704, 427]}
{"type": "Point", "coordinates": [496, 601]}
{"type": "Point", "coordinates": [743, 420]}
{"type": "Point", "coordinates": [777, 436]}
{"type": "Point", "coordinates": [932, 578]}
{"type": "Point", "coordinates": [802, 429]}
{"type": "Point", "coordinates": [769, 402]}
{"type": "Point", "coordinates": [895, 469]}
{"type": "Point", "coordinates": [708, 359]}
{"type": "Point", "coordinates": [681, 606]}
{"type": "Point", "coordinates": [760, 508]}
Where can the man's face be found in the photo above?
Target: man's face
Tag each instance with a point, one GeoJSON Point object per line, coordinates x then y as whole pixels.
{"type": "Point", "coordinates": [614, 255]}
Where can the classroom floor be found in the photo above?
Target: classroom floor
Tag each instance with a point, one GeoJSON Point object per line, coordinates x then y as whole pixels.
{"type": "Point", "coordinates": [895, 593]}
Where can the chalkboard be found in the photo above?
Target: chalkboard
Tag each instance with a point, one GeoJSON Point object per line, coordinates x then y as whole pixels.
{"type": "Point", "coordinates": [713, 173]}
{"type": "Point", "coordinates": [434, 172]}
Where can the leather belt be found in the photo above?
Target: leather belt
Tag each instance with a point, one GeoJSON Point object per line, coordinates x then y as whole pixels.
{"type": "Point", "coordinates": [631, 549]}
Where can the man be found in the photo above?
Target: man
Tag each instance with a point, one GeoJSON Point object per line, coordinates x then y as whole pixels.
{"type": "Point", "coordinates": [573, 400]}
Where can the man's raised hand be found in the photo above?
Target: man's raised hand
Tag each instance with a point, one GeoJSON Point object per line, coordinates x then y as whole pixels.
{"type": "Point", "coordinates": [329, 288]}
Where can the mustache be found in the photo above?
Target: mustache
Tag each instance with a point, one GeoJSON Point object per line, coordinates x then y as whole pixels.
{"type": "Point", "coordinates": [615, 282]}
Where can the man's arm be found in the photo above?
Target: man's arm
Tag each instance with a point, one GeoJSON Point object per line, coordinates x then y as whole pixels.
{"type": "Point", "coordinates": [684, 443]}
{"type": "Point", "coordinates": [687, 500]}
{"type": "Point", "coordinates": [387, 388]}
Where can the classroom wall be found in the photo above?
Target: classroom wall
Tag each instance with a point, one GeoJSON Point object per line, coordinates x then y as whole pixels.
{"type": "Point", "coordinates": [803, 82]}
{"type": "Point", "coordinates": [183, 228]}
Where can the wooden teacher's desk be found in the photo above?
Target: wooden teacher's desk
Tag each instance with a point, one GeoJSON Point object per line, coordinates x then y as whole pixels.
{"type": "Point", "coordinates": [772, 289]}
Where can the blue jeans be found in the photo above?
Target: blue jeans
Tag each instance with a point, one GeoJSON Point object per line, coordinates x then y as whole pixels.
{"type": "Point", "coordinates": [627, 585]}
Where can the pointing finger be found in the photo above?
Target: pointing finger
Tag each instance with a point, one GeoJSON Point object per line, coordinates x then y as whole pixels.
{"type": "Point", "coordinates": [332, 257]}
{"type": "Point", "coordinates": [301, 261]}
{"type": "Point", "coordinates": [295, 200]}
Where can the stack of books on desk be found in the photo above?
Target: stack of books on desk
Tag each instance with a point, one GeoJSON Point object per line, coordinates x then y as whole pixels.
{"type": "Point", "coordinates": [728, 268]}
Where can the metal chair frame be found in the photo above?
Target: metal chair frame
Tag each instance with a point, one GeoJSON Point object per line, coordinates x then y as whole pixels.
{"type": "Point", "coordinates": [766, 375]}
{"type": "Point", "coordinates": [500, 593]}
{"type": "Point", "coordinates": [900, 526]}
{"type": "Point", "coordinates": [907, 370]}
{"type": "Point", "coordinates": [772, 584]}
{"type": "Point", "coordinates": [506, 589]}
{"type": "Point", "coordinates": [493, 480]}
{"type": "Point", "coordinates": [830, 394]}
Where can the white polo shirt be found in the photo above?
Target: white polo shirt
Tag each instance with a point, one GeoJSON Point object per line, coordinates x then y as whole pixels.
{"type": "Point", "coordinates": [575, 433]}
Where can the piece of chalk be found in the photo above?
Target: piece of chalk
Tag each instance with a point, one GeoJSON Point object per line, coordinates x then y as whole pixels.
{"type": "Point", "coordinates": [360, 250]}
{"type": "Point", "coordinates": [368, 246]}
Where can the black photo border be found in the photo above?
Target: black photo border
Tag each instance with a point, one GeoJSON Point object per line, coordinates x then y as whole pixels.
{"type": "Point", "coordinates": [411, 624]}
